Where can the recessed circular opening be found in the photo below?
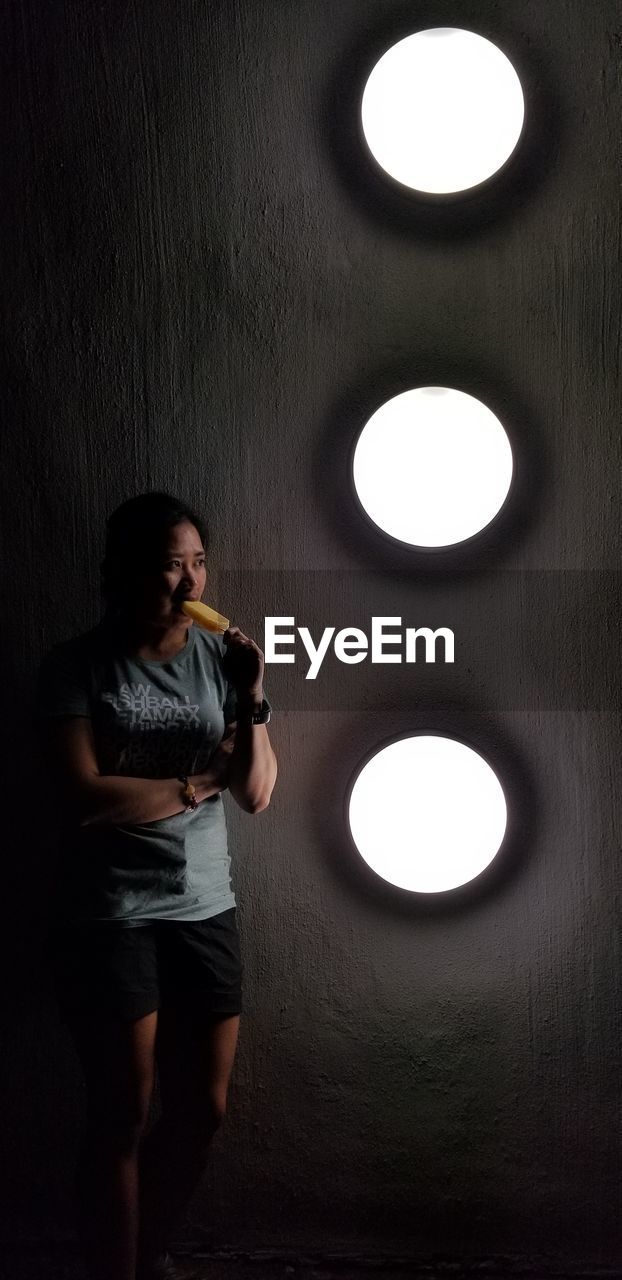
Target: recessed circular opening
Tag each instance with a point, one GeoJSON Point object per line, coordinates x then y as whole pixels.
{"type": "Point", "coordinates": [427, 813]}
{"type": "Point", "coordinates": [442, 110]}
{"type": "Point", "coordinates": [432, 466]}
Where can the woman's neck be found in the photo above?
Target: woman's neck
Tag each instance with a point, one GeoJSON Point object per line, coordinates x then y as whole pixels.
{"type": "Point", "coordinates": [147, 640]}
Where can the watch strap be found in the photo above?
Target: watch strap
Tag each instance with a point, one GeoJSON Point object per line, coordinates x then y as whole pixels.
{"type": "Point", "coordinates": [263, 715]}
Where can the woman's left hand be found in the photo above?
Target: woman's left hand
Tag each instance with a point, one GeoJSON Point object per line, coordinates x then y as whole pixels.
{"type": "Point", "coordinates": [244, 664]}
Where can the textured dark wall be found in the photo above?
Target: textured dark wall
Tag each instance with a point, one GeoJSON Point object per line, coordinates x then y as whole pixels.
{"type": "Point", "coordinates": [209, 291]}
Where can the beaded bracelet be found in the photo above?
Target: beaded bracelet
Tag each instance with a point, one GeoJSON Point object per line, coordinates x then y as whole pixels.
{"type": "Point", "coordinates": [189, 793]}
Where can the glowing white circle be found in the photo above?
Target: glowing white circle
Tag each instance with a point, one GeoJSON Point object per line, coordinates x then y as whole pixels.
{"type": "Point", "coordinates": [427, 813]}
{"type": "Point", "coordinates": [432, 466]}
{"type": "Point", "coordinates": [442, 110]}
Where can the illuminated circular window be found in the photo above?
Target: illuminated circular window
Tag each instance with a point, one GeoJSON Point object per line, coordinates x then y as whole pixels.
{"type": "Point", "coordinates": [432, 466]}
{"type": "Point", "coordinates": [442, 110]}
{"type": "Point", "coordinates": [427, 813]}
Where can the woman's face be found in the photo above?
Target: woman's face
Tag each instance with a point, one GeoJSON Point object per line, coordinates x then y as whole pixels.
{"type": "Point", "coordinates": [180, 575]}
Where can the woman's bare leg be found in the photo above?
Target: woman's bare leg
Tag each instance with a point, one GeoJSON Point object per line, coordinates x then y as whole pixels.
{"type": "Point", "coordinates": [118, 1062]}
{"type": "Point", "coordinates": [195, 1057]}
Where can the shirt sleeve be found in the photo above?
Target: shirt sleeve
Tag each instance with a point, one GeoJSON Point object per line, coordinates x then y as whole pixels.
{"type": "Point", "coordinates": [62, 687]}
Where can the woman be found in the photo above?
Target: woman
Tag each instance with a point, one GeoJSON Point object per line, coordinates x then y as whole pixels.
{"type": "Point", "coordinates": [149, 718]}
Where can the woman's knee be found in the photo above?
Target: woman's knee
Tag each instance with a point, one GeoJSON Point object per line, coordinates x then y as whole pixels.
{"type": "Point", "coordinates": [120, 1125]}
{"type": "Point", "coordinates": [119, 1070]}
{"type": "Point", "coordinates": [216, 1109]}
{"type": "Point", "coordinates": [194, 1069]}
{"type": "Point", "coordinates": [198, 1117]}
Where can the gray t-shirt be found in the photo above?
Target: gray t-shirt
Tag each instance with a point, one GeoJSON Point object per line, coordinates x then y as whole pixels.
{"type": "Point", "coordinates": [150, 720]}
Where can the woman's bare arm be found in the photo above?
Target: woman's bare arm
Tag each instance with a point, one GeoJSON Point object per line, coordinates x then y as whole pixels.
{"type": "Point", "coordinates": [253, 768]}
{"type": "Point", "coordinates": [106, 799]}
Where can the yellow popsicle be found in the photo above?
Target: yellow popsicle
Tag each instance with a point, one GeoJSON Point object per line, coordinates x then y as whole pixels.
{"type": "Point", "coordinates": [205, 616]}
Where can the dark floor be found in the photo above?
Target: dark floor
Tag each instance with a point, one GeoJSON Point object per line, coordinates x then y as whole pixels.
{"type": "Point", "coordinates": [47, 1267]}
{"type": "Point", "coordinates": [62, 1264]}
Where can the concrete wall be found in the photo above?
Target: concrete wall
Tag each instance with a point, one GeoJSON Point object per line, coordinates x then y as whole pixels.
{"type": "Point", "coordinates": [209, 291]}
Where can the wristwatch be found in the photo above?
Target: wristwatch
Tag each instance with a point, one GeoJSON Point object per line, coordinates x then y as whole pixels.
{"type": "Point", "coordinates": [263, 715]}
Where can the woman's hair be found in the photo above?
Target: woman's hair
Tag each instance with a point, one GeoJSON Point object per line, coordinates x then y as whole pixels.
{"type": "Point", "coordinates": [136, 534]}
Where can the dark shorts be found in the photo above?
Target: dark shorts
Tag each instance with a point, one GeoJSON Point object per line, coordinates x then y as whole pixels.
{"type": "Point", "coordinates": [103, 967]}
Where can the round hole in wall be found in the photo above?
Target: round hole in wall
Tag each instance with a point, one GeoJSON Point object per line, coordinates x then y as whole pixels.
{"type": "Point", "coordinates": [442, 110]}
{"type": "Point", "coordinates": [427, 813]}
{"type": "Point", "coordinates": [432, 466]}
